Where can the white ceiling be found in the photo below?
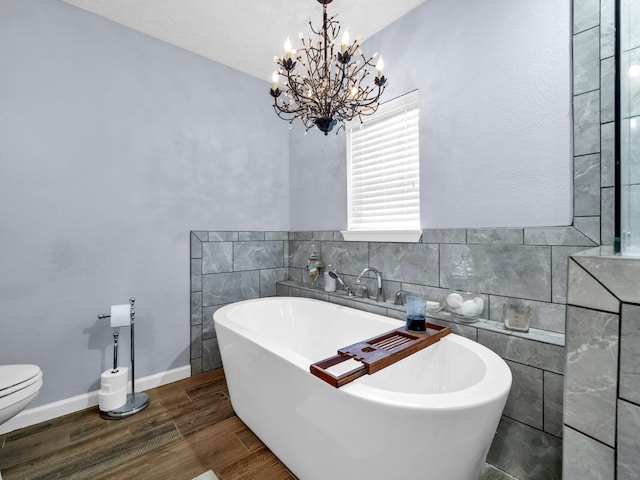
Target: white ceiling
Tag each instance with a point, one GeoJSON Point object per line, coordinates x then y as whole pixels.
{"type": "Point", "coordinates": [243, 34]}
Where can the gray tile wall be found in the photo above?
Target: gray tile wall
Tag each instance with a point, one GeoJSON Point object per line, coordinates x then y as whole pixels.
{"type": "Point", "coordinates": [601, 407]}
{"type": "Point", "coordinates": [228, 267]}
{"type": "Point", "coordinates": [531, 271]}
{"type": "Point", "coordinates": [593, 112]}
{"type": "Point", "coordinates": [601, 400]}
{"type": "Point", "coordinates": [592, 368]}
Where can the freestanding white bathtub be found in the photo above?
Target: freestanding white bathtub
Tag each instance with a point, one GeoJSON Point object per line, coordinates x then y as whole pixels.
{"type": "Point", "coordinates": [430, 416]}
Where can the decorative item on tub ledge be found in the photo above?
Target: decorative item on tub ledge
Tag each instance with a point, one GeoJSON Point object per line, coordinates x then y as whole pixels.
{"type": "Point", "coordinates": [314, 265]}
{"type": "Point", "coordinates": [326, 82]}
{"type": "Point", "coordinates": [516, 317]}
{"type": "Point", "coordinates": [462, 302]}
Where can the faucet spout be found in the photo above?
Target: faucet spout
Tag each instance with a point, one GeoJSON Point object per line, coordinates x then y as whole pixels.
{"type": "Point", "coordinates": [378, 274]}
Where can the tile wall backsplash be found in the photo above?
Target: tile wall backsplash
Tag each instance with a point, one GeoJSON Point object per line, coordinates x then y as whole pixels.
{"type": "Point", "coordinates": [593, 118]}
{"type": "Point", "coordinates": [601, 405]}
{"type": "Point", "coordinates": [601, 401]}
{"type": "Point", "coordinates": [227, 267]}
{"type": "Point", "coordinates": [592, 370]}
{"type": "Point", "coordinates": [532, 271]}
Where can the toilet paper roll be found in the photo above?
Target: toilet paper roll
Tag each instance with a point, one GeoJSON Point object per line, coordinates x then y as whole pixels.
{"type": "Point", "coordinates": [111, 382]}
{"type": "Point", "coordinates": [121, 315]}
{"type": "Point", "coordinates": [111, 400]}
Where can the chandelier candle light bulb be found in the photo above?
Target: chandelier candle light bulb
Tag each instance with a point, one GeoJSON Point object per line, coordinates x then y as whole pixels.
{"type": "Point", "coordinates": [380, 67]}
{"type": "Point", "coordinates": [345, 41]}
{"type": "Point", "coordinates": [287, 49]}
{"type": "Point", "coordinates": [324, 85]}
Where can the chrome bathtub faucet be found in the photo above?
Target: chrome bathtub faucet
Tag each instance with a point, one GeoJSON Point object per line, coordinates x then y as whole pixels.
{"type": "Point", "coordinates": [361, 290]}
{"type": "Point", "coordinates": [400, 298]}
{"type": "Point", "coordinates": [380, 292]}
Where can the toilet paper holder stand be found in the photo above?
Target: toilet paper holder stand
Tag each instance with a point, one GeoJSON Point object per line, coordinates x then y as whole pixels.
{"type": "Point", "coordinates": [135, 401]}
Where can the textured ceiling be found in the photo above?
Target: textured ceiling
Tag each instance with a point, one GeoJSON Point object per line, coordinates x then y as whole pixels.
{"type": "Point", "coordinates": [243, 34]}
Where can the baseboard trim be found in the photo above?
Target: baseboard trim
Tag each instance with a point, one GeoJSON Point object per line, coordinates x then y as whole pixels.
{"type": "Point", "coordinates": [31, 416]}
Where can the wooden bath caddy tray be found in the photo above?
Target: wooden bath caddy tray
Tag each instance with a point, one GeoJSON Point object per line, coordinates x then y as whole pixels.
{"type": "Point", "coordinates": [377, 353]}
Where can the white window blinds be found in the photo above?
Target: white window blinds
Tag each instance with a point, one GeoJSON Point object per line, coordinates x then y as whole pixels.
{"type": "Point", "coordinates": [384, 168]}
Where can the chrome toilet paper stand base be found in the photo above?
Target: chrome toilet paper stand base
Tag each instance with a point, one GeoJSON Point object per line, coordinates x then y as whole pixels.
{"type": "Point", "coordinates": [135, 401]}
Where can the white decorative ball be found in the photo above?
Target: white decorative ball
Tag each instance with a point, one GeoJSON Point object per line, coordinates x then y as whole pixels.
{"type": "Point", "coordinates": [469, 308]}
{"type": "Point", "coordinates": [454, 300]}
{"type": "Point", "coordinates": [479, 303]}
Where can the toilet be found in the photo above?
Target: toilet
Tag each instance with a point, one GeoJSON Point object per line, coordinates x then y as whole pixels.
{"type": "Point", "coordinates": [19, 385]}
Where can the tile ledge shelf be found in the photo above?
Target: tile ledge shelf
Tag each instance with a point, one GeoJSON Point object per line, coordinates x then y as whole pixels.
{"type": "Point", "coordinates": [606, 251]}
{"type": "Point", "coordinates": [542, 336]}
{"type": "Point", "coordinates": [615, 272]}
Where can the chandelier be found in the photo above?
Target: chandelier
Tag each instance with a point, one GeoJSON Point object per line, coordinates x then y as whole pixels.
{"type": "Point", "coordinates": [326, 82]}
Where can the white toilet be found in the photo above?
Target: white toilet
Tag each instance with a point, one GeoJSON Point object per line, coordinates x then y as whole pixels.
{"type": "Point", "coordinates": [19, 384]}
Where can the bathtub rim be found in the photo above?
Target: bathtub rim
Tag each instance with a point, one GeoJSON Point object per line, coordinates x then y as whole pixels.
{"type": "Point", "coordinates": [495, 383]}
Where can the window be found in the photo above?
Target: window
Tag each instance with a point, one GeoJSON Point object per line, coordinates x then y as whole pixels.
{"type": "Point", "coordinates": [383, 173]}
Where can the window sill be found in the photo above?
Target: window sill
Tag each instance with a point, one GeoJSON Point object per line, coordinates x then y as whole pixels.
{"type": "Point", "coordinates": [405, 236]}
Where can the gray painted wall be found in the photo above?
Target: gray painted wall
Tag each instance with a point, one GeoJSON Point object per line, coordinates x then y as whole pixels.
{"type": "Point", "coordinates": [113, 147]}
{"type": "Point", "coordinates": [495, 117]}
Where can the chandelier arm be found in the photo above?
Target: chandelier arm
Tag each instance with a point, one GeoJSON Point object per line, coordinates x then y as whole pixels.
{"type": "Point", "coordinates": [331, 21]}
{"type": "Point", "coordinates": [304, 103]}
{"type": "Point", "coordinates": [292, 93]}
{"type": "Point", "coordinates": [280, 113]}
{"type": "Point", "coordinates": [369, 93]}
{"type": "Point", "coordinates": [314, 72]}
{"type": "Point", "coordinates": [339, 83]}
{"type": "Point", "coordinates": [366, 107]}
{"type": "Point", "coordinates": [285, 109]}
{"type": "Point", "coordinates": [294, 117]}
{"type": "Point", "coordinates": [313, 29]}
{"type": "Point", "coordinates": [363, 67]}
{"type": "Point", "coordinates": [367, 101]}
{"type": "Point", "coordinates": [293, 85]}
{"type": "Point", "coordinates": [291, 115]}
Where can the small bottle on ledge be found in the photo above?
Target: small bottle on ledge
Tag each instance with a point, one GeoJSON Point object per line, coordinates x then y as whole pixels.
{"type": "Point", "coordinates": [314, 265]}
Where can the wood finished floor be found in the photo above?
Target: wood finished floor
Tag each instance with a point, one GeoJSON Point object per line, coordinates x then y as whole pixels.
{"type": "Point", "coordinates": [188, 428]}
